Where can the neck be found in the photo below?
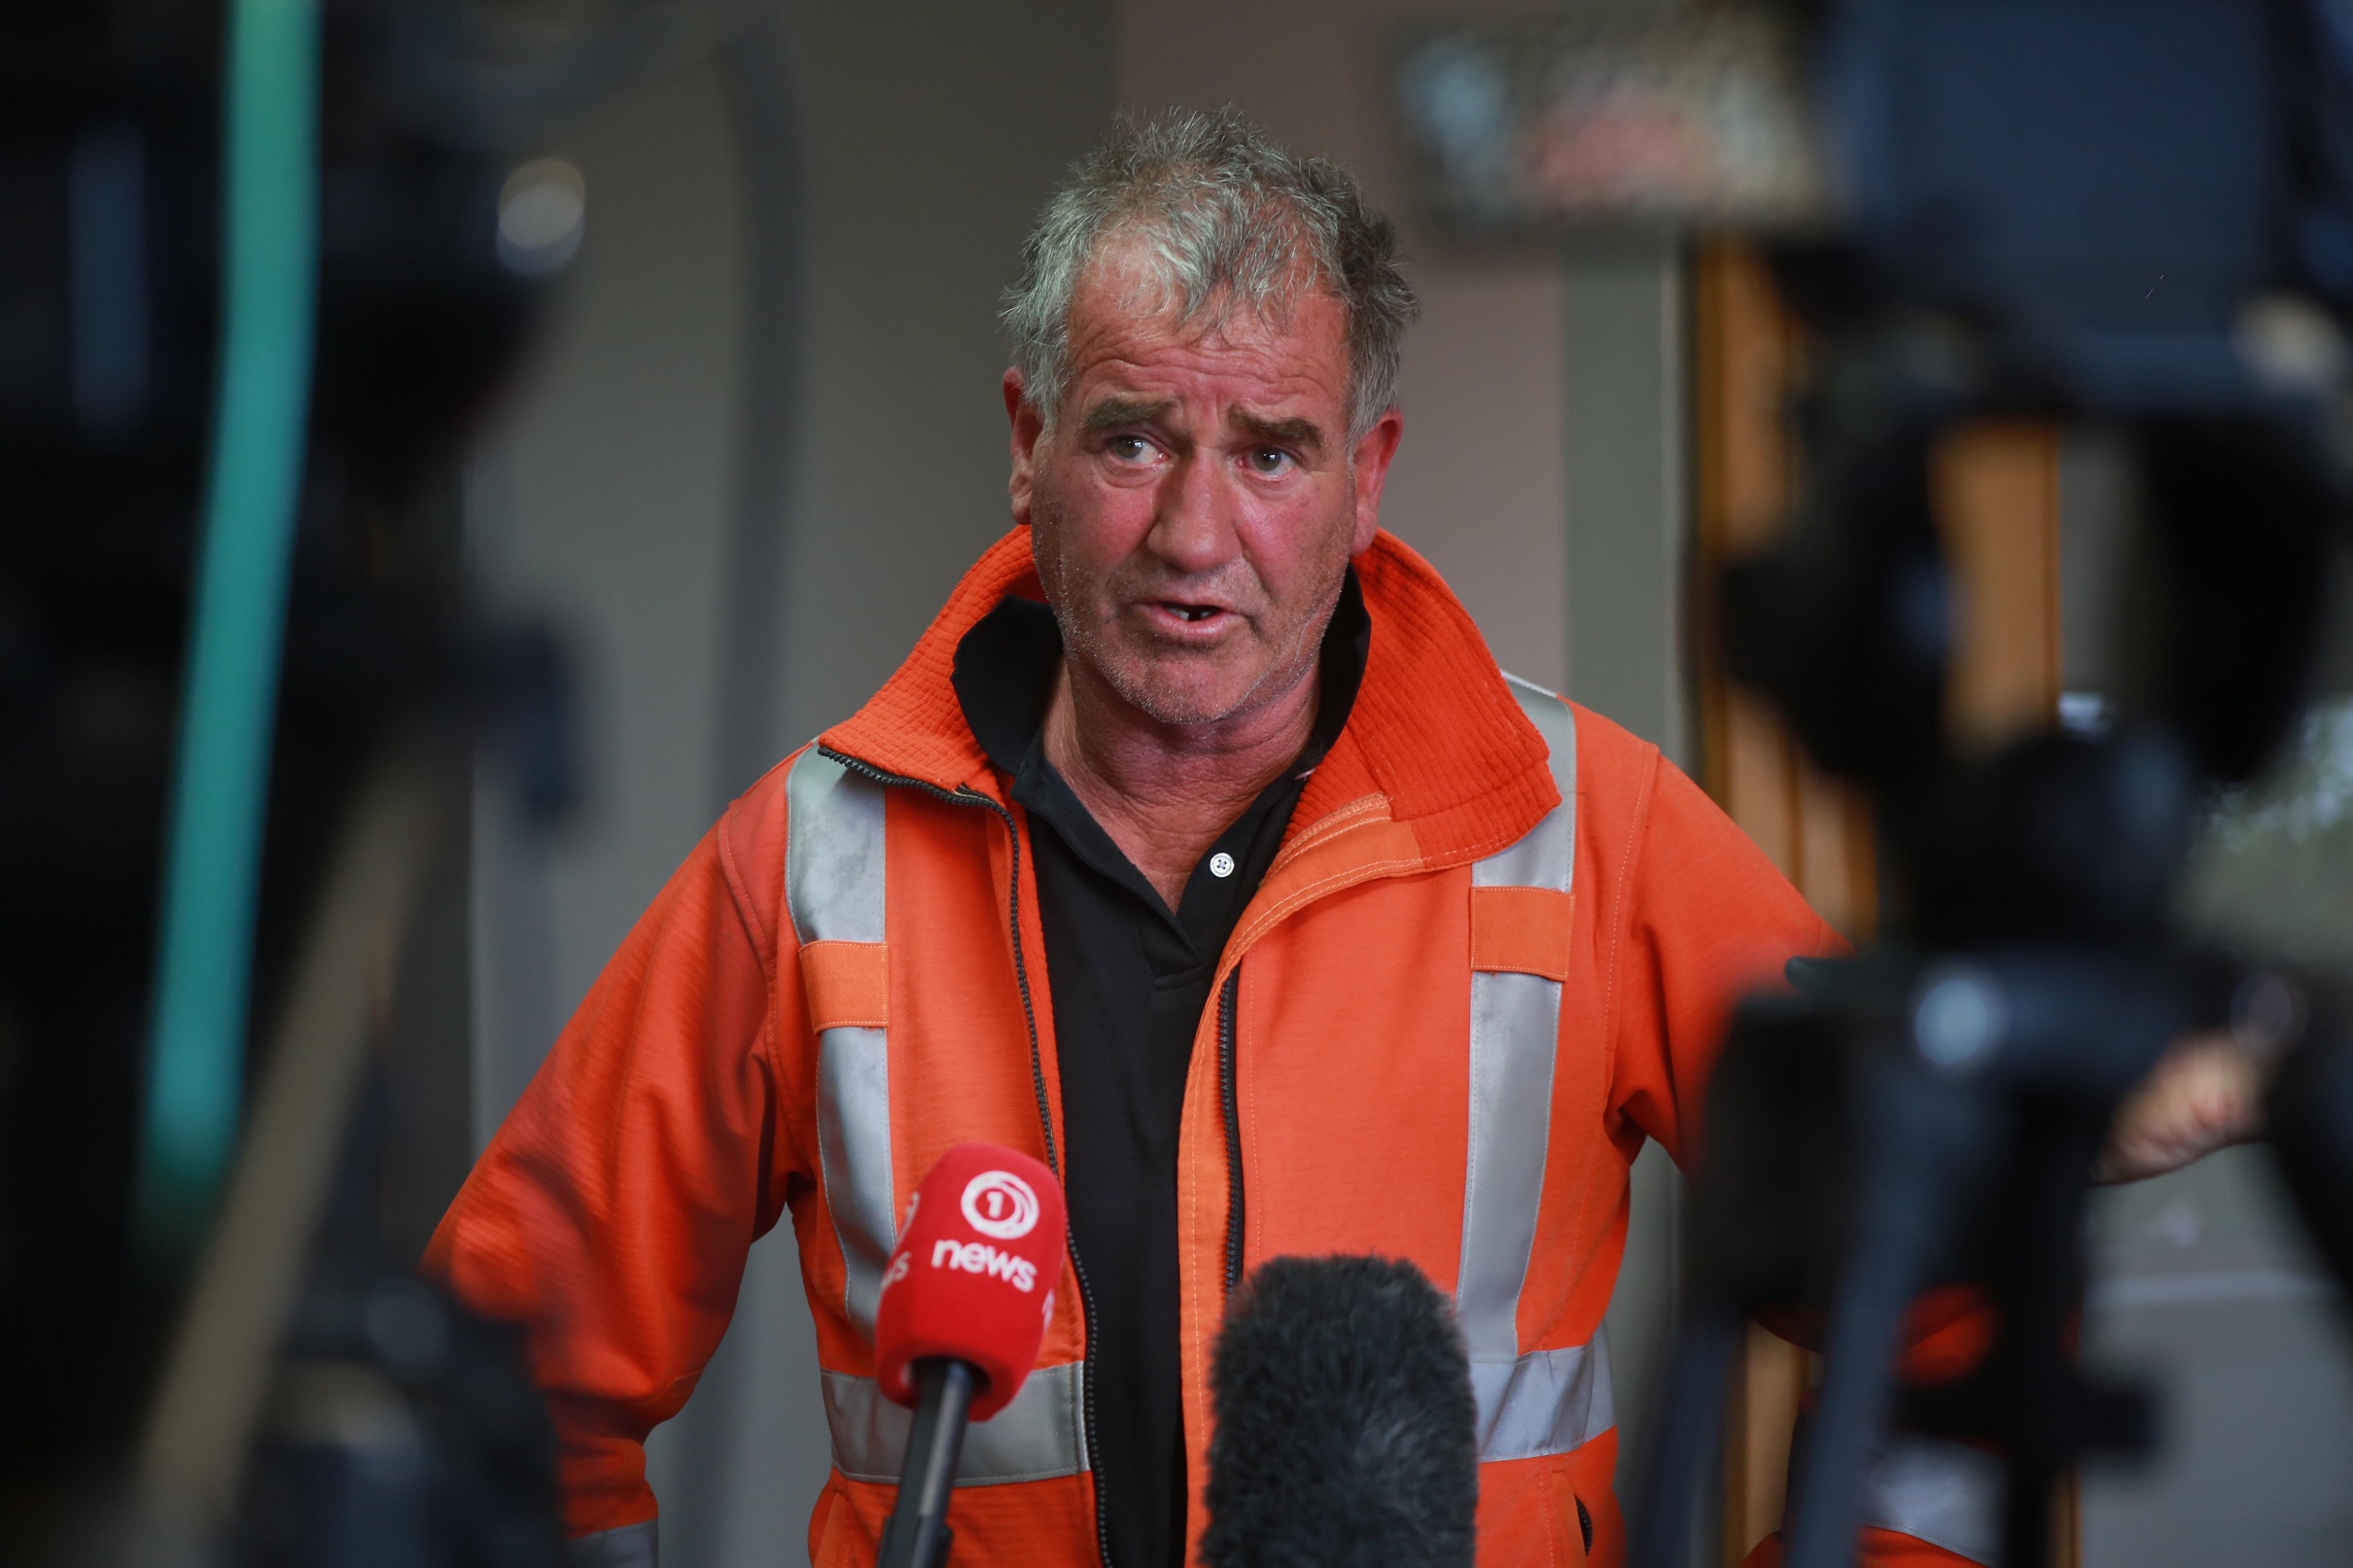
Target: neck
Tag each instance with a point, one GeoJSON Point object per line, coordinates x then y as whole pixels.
{"type": "Point", "coordinates": [1165, 792]}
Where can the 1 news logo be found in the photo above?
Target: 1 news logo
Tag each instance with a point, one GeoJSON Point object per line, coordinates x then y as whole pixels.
{"type": "Point", "coordinates": [1000, 1204]}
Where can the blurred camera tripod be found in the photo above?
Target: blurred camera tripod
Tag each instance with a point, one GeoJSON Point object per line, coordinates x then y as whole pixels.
{"type": "Point", "coordinates": [1932, 1111]}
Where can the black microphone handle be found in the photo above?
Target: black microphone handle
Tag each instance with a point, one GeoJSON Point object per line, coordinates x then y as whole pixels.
{"type": "Point", "coordinates": [918, 1534]}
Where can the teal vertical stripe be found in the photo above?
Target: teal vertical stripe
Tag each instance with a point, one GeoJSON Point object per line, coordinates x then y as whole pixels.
{"type": "Point", "coordinates": [237, 621]}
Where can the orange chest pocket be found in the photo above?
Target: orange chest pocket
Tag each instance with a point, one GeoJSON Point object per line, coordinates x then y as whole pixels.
{"type": "Point", "coordinates": [847, 985]}
{"type": "Point", "coordinates": [1520, 931]}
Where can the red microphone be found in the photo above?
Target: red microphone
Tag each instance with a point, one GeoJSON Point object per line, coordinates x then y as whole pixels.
{"type": "Point", "coordinates": [964, 1307]}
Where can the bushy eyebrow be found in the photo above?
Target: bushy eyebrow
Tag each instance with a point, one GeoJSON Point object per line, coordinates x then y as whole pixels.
{"type": "Point", "coordinates": [1117, 413]}
{"type": "Point", "coordinates": [1303, 433]}
{"type": "Point", "coordinates": [1121, 413]}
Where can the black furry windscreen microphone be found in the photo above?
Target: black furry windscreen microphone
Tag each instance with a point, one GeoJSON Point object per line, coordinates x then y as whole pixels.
{"type": "Point", "coordinates": [1346, 1431]}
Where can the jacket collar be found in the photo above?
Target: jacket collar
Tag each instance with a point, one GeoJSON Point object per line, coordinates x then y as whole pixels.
{"type": "Point", "coordinates": [1436, 743]}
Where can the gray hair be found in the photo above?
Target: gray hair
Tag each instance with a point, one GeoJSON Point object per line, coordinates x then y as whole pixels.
{"type": "Point", "coordinates": [1226, 218]}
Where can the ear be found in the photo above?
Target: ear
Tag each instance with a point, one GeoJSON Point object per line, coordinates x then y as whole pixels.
{"type": "Point", "coordinates": [1371, 461]}
{"type": "Point", "coordinates": [1027, 428]}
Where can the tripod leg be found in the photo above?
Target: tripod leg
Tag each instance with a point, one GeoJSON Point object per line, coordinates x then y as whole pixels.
{"type": "Point", "coordinates": [1690, 1426]}
{"type": "Point", "coordinates": [1917, 1135]}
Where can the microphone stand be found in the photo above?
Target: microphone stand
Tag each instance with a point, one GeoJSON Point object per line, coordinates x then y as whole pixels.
{"type": "Point", "coordinates": [918, 1535]}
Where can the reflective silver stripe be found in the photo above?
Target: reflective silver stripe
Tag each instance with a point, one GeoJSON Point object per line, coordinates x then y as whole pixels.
{"type": "Point", "coordinates": [1545, 1401]}
{"type": "Point", "coordinates": [1514, 1020]}
{"type": "Point", "coordinates": [1550, 713]}
{"type": "Point", "coordinates": [854, 1144]}
{"type": "Point", "coordinates": [833, 888]}
{"type": "Point", "coordinates": [1933, 1489]}
{"type": "Point", "coordinates": [1041, 1435]}
{"type": "Point", "coordinates": [1547, 856]}
{"type": "Point", "coordinates": [632, 1546]}
{"type": "Point", "coordinates": [1948, 1494]}
{"type": "Point", "coordinates": [1552, 1401]}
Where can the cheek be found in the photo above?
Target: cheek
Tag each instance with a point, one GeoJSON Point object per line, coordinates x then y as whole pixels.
{"type": "Point", "coordinates": [1299, 546]}
{"type": "Point", "coordinates": [1092, 527]}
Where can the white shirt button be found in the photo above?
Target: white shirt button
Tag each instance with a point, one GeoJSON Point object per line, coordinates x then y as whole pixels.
{"type": "Point", "coordinates": [1221, 864]}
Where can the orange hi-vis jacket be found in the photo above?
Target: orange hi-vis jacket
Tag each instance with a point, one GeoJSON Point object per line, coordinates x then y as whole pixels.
{"type": "Point", "coordinates": [1494, 953]}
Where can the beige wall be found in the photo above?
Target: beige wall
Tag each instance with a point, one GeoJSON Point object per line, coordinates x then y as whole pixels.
{"type": "Point", "coordinates": [594, 502]}
{"type": "Point", "coordinates": [937, 131]}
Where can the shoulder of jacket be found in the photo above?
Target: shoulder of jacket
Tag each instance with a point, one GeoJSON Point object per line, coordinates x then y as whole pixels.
{"type": "Point", "coordinates": [1612, 759]}
{"type": "Point", "coordinates": [750, 838]}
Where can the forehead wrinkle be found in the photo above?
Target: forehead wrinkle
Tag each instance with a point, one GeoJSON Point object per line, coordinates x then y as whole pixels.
{"type": "Point", "coordinates": [1129, 356]}
{"type": "Point", "coordinates": [1162, 378]}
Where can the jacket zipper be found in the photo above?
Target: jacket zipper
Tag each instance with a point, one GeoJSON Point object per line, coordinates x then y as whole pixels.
{"type": "Point", "coordinates": [966, 795]}
{"type": "Point", "coordinates": [1229, 1102]}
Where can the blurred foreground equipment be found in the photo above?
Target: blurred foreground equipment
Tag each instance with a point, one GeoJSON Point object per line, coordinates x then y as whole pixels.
{"type": "Point", "coordinates": [261, 263]}
{"type": "Point", "coordinates": [2134, 213]}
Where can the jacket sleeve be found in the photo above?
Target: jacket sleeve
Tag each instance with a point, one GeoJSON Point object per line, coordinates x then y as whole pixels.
{"type": "Point", "coordinates": [1708, 917]}
{"type": "Point", "coordinates": [611, 1214]}
{"type": "Point", "coordinates": [1704, 918]}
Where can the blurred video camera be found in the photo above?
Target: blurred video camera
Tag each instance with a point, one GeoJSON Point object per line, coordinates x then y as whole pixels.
{"type": "Point", "coordinates": [2136, 213]}
{"type": "Point", "coordinates": [262, 264]}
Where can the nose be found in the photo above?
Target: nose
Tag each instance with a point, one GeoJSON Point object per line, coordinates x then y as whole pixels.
{"type": "Point", "coordinates": [1193, 529]}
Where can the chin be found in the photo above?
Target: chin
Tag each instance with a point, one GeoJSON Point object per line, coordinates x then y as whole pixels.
{"type": "Point", "coordinates": [1173, 698]}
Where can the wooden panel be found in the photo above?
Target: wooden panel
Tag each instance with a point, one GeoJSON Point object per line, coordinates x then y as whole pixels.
{"type": "Point", "coordinates": [1750, 358]}
{"type": "Point", "coordinates": [1747, 353]}
{"type": "Point", "coordinates": [1996, 493]}
{"type": "Point", "coordinates": [1996, 490]}
{"type": "Point", "coordinates": [1772, 1381]}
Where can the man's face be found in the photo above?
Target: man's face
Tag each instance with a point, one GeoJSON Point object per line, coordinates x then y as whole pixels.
{"type": "Point", "coordinates": [1194, 507]}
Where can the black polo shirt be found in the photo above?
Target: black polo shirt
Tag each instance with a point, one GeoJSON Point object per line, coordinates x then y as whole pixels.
{"type": "Point", "coordinates": [1130, 979]}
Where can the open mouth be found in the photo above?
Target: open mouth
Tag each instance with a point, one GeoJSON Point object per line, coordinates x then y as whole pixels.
{"type": "Point", "coordinates": [1186, 621]}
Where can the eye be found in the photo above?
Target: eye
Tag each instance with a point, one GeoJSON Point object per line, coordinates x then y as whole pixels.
{"type": "Point", "coordinates": [1128, 448]}
{"type": "Point", "coordinates": [1269, 460]}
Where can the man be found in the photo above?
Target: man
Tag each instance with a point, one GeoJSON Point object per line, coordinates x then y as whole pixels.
{"type": "Point", "coordinates": [1198, 849]}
